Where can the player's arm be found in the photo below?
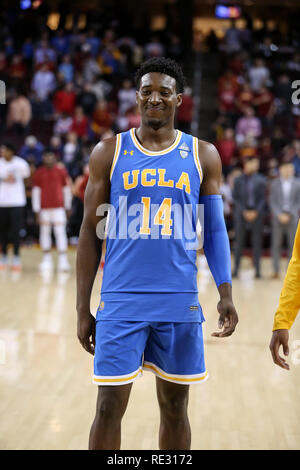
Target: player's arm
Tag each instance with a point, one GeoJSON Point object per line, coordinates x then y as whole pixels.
{"type": "Point", "coordinates": [289, 305]}
{"type": "Point", "coordinates": [216, 243]}
{"type": "Point", "coordinates": [89, 244]}
{"type": "Point", "coordinates": [67, 192]}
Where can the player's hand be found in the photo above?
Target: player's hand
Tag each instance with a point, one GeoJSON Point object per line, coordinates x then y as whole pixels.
{"type": "Point", "coordinates": [228, 318]}
{"type": "Point", "coordinates": [86, 329]}
{"type": "Point", "coordinates": [280, 337]}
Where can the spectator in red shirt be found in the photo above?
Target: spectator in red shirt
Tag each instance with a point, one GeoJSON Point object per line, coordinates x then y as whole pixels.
{"type": "Point", "coordinates": [264, 104]}
{"type": "Point", "coordinates": [3, 64]}
{"type": "Point", "coordinates": [237, 63]}
{"type": "Point", "coordinates": [79, 123]}
{"type": "Point", "coordinates": [51, 198]}
{"type": "Point", "coordinates": [83, 184]}
{"type": "Point", "coordinates": [228, 78]}
{"type": "Point", "coordinates": [133, 117]}
{"type": "Point", "coordinates": [244, 98]}
{"type": "Point", "coordinates": [227, 96]}
{"type": "Point", "coordinates": [64, 101]}
{"type": "Point", "coordinates": [297, 127]}
{"type": "Point", "coordinates": [227, 150]}
{"type": "Point", "coordinates": [17, 68]}
{"type": "Point", "coordinates": [102, 120]}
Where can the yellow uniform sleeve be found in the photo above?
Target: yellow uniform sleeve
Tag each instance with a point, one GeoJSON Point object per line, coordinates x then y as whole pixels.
{"type": "Point", "coordinates": [289, 301]}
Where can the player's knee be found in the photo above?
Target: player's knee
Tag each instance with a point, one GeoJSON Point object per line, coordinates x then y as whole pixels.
{"type": "Point", "coordinates": [173, 407]}
{"type": "Point", "coordinates": [109, 408]}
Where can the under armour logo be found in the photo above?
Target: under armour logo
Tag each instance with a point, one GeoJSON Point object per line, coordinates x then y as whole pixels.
{"type": "Point", "coordinates": [126, 152]}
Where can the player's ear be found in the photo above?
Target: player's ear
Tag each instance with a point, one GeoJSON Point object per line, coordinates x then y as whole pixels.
{"type": "Point", "coordinates": [136, 96]}
{"type": "Point", "coordinates": [179, 100]}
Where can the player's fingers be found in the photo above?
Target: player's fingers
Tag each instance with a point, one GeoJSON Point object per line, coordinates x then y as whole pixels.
{"type": "Point", "coordinates": [225, 332]}
{"type": "Point", "coordinates": [285, 348]}
{"type": "Point", "coordinates": [279, 361]}
{"type": "Point", "coordinates": [89, 348]}
{"type": "Point", "coordinates": [230, 320]}
{"type": "Point", "coordinates": [284, 364]}
{"type": "Point", "coordinates": [87, 345]}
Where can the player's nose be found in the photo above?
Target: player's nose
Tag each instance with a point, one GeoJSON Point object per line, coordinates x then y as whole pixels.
{"type": "Point", "coordinates": [155, 98]}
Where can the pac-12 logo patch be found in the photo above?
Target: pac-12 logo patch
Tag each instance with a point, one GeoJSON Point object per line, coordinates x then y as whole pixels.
{"type": "Point", "coordinates": [184, 150]}
{"type": "Point", "coordinates": [101, 306]}
{"type": "Point", "coordinates": [194, 307]}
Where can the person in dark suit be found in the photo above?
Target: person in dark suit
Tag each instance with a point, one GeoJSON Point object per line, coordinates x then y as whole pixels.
{"type": "Point", "coordinates": [285, 207]}
{"type": "Point", "coordinates": [249, 202]}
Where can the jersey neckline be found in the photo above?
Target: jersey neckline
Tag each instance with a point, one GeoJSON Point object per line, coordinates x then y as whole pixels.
{"type": "Point", "coordinates": [152, 152]}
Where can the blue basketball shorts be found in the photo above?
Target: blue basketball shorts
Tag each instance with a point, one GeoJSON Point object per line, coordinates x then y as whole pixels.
{"type": "Point", "coordinates": [172, 351]}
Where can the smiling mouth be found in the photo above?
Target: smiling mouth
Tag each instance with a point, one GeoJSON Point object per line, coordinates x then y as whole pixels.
{"type": "Point", "coordinates": [155, 109]}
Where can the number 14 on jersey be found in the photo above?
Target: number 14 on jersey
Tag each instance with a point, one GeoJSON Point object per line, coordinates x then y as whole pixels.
{"type": "Point", "coordinates": [162, 216]}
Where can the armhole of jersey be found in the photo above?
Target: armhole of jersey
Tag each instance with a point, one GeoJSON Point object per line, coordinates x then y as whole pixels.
{"type": "Point", "coordinates": [116, 154]}
{"type": "Point", "coordinates": [196, 158]}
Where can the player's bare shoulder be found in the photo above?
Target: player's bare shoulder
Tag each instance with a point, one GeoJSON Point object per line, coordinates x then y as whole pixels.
{"type": "Point", "coordinates": [211, 166]}
{"type": "Point", "coordinates": [101, 158]}
{"type": "Point", "coordinates": [209, 156]}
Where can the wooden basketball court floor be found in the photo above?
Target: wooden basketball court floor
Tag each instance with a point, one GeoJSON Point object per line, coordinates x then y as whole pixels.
{"type": "Point", "coordinates": [47, 400]}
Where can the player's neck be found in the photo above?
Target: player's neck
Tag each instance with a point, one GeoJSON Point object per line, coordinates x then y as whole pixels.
{"type": "Point", "coordinates": [156, 139]}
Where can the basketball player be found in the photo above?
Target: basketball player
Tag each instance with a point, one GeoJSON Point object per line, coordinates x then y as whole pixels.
{"type": "Point", "coordinates": [289, 305]}
{"type": "Point", "coordinates": [51, 200]}
{"type": "Point", "coordinates": [149, 316]}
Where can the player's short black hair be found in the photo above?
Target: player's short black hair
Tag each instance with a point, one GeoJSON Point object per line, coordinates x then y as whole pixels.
{"type": "Point", "coordinates": [165, 66]}
{"type": "Point", "coordinates": [10, 146]}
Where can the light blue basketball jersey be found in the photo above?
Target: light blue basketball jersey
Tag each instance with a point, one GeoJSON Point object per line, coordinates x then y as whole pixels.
{"type": "Point", "coordinates": [150, 263]}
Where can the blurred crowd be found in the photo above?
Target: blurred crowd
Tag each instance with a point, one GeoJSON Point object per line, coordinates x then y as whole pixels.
{"type": "Point", "coordinates": [66, 90]}
{"type": "Point", "coordinates": [257, 133]}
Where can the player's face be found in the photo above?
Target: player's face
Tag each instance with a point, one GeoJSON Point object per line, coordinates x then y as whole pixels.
{"type": "Point", "coordinates": [157, 99]}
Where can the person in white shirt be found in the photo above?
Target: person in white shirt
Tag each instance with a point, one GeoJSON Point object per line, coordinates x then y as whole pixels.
{"type": "Point", "coordinates": [13, 171]}
{"type": "Point", "coordinates": [43, 82]}
{"type": "Point", "coordinates": [126, 97]}
{"type": "Point", "coordinates": [258, 74]}
{"type": "Point", "coordinates": [285, 209]}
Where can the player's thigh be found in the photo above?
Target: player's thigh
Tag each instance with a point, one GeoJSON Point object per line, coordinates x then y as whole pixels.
{"type": "Point", "coordinates": [175, 352]}
{"type": "Point", "coordinates": [119, 351]}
